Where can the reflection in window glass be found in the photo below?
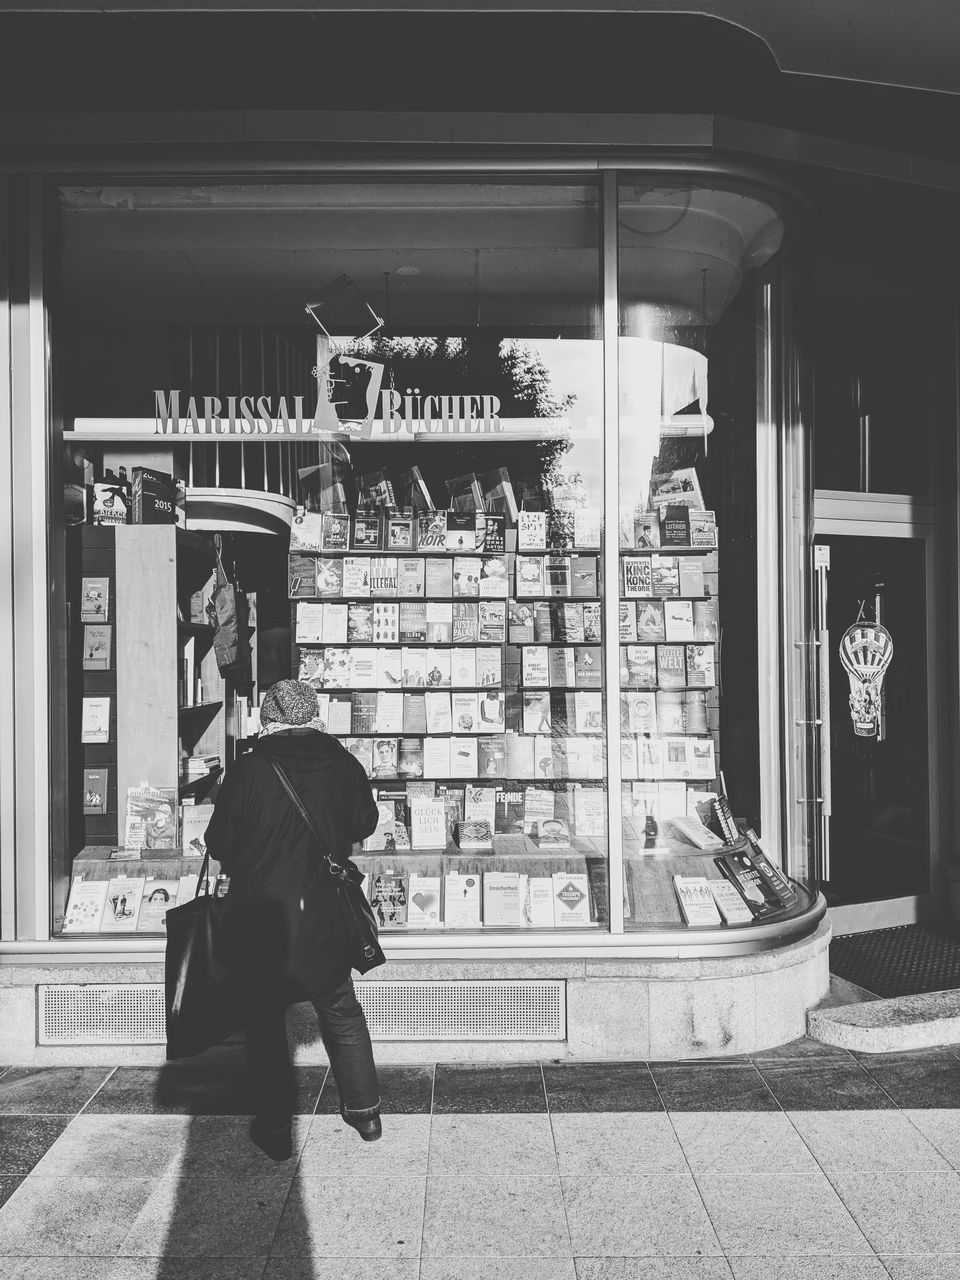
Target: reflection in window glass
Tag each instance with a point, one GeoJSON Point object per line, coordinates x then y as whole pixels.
{"type": "Point", "coordinates": [432, 564]}
{"type": "Point", "coordinates": [687, 535]}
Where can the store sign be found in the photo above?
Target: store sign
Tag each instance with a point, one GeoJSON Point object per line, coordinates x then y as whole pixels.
{"type": "Point", "coordinates": [866, 651]}
{"type": "Point", "coordinates": [349, 397]}
{"type": "Point", "coordinates": [400, 414]}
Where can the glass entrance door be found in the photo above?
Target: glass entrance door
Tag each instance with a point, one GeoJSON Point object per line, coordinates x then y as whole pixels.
{"type": "Point", "coordinates": [877, 831]}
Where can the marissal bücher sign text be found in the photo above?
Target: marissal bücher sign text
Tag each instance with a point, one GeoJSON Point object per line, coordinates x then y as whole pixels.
{"type": "Point", "coordinates": [261, 416]}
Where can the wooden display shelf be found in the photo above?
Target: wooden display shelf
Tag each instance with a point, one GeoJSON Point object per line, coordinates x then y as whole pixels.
{"type": "Point", "coordinates": [200, 706]}
{"type": "Point", "coordinates": [198, 786]}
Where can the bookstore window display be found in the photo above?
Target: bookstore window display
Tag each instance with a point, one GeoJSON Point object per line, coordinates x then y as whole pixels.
{"type": "Point", "coordinates": [449, 562]}
{"type": "Point", "coordinates": [444, 573]}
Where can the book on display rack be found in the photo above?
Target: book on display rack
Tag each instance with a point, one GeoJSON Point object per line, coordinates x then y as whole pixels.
{"type": "Point", "coordinates": [412, 622]}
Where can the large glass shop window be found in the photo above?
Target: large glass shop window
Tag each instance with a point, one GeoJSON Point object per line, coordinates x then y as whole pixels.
{"type": "Point", "coordinates": [693, 853]}
{"type": "Point", "coordinates": [426, 549]}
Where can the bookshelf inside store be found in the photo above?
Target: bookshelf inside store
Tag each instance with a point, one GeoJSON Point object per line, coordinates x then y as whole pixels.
{"type": "Point", "coordinates": [150, 720]}
{"type": "Point", "coordinates": [451, 623]}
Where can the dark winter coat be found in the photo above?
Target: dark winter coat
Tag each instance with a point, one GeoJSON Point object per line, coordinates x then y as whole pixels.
{"type": "Point", "coordinates": [277, 927]}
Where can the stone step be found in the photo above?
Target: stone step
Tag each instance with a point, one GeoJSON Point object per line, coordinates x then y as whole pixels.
{"type": "Point", "coordinates": [889, 1026]}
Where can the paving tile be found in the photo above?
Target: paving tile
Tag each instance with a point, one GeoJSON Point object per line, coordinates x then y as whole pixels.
{"type": "Point", "coordinates": [642, 1215]}
{"type": "Point", "coordinates": [8, 1185]}
{"type": "Point", "coordinates": [616, 1144]}
{"type": "Point", "coordinates": [516, 1143]}
{"type": "Point", "coordinates": [333, 1147]}
{"type": "Point", "coordinates": [49, 1090]}
{"type": "Point", "coordinates": [921, 1266]}
{"type": "Point", "coordinates": [741, 1142]}
{"type": "Point", "coordinates": [342, 1269]}
{"type": "Point", "coordinates": [808, 1269]}
{"type": "Point", "coordinates": [179, 1089]}
{"type": "Point", "coordinates": [792, 1215]}
{"type": "Point", "coordinates": [109, 1147]}
{"type": "Point", "coordinates": [653, 1269]}
{"type": "Point", "coordinates": [494, 1217]}
{"type": "Point", "coordinates": [206, 1217]}
{"type": "Point", "coordinates": [808, 1086]}
{"type": "Point", "coordinates": [863, 1141]}
{"type": "Point", "coordinates": [475, 1089]}
{"type": "Point", "coordinates": [904, 1212]}
{"type": "Point", "coordinates": [403, 1091]}
{"type": "Point", "coordinates": [940, 1127]}
{"type": "Point", "coordinates": [24, 1139]}
{"type": "Point", "coordinates": [802, 1049]}
{"type": "Point", "coordinates": [94, 1268]}
{"type": "Point", "coordinates": [348, 1217]}
{"type": "Point", "coordinates": [221, 1147]}
{"type": "Point", "coordinates": [600, 1086]}
{"type": "Point", "coordinates": [504, 1268]}
{"type": "Point", "coordinates": [712, 1087]}
{"type": "Point", "coordinates": [912, 1080]}
{"type": "Point", "coordinates": [69, 1216]}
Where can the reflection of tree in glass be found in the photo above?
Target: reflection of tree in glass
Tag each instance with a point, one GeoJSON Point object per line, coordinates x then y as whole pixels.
{"type": "Point", "coordinates": [480, 364]}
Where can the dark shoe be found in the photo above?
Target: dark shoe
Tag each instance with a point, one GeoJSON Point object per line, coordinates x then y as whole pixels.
{"type": "Point", "coordinates": [368, 1127]}
{"type": "Point", "coordinates": [276, 1141]}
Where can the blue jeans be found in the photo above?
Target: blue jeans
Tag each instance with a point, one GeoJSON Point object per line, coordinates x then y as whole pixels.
{"type": "Point", "coordinates": [343, 1029]}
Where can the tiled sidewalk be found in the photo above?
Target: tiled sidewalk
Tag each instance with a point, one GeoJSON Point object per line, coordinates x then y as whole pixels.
{"type": "Point", "coordinates": [806, 1163]}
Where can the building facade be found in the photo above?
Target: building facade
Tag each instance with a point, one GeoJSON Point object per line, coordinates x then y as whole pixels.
{"type": "Point", "coordinates": [595, 472]}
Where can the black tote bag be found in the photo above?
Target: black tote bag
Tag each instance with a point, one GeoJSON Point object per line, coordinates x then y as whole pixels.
{"type": "Point", "coordinates": [202, 1002]}
{"type": "Point", "coordinates": [357, 943]}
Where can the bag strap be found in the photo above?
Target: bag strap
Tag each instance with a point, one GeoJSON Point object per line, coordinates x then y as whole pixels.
{"type": "Point", "coordinates": [334, 868]}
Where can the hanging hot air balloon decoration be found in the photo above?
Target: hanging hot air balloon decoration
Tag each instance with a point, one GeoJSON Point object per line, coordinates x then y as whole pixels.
{"type": "Point", "coordinates": [866, 650]}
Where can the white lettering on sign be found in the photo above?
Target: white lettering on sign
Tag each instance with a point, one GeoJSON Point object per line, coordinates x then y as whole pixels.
{"type": "Point", "coordinates": [413, 413]}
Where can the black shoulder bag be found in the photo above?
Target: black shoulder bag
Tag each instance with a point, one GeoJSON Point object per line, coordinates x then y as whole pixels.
{"type": "Point", "coordinates": [203, 1005]}
{"type": "Point", "coordinates": [358, 925]}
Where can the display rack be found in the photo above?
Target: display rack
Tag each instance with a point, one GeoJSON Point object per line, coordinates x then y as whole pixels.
{"type": "Point", "coordinates": [397, 662]}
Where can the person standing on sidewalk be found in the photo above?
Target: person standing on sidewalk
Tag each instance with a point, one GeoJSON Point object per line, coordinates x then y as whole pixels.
{"type": "Point", "coordinates": [278, 936]}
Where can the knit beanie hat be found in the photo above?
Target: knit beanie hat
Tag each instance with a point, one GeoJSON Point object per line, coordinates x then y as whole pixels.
{"type": "Point", "coordinates": [291, 702]}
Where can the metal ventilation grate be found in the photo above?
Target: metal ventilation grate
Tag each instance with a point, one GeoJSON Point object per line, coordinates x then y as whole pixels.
{"type": "Point", "coordinates": [490, 1010]}
{"type": "Point", "coordinates": [119, 1013]}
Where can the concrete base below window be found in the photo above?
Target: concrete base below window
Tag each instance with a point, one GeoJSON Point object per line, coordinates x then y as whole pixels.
{"type": "Point", "coordinates": [656, 1009]}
